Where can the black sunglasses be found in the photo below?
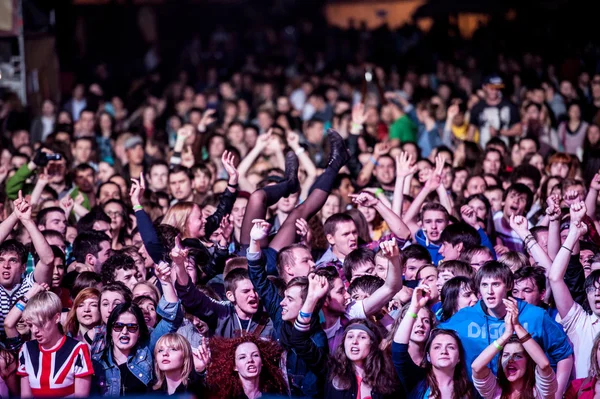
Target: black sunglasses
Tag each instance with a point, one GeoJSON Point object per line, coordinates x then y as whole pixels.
{"type": "Point", "coordinates": [131, 327]}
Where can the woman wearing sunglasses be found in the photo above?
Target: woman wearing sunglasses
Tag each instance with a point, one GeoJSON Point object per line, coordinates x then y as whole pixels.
{"type": "Point", "coordinates": [125, 364]}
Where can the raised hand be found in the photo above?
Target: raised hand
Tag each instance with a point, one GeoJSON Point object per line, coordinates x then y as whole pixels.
{"type": "Point", "coordinates": [365, 199]}
{"type": "Point", "coordinates": [301, 228]}
{"type": "Point", "coordinates": [227, 159]}
{"type": "Point", "coordinates": [571, 197]}
{"type": "Point", "coordinates": [178, 253]}
{"type": "Point", "coordinates": [263, 140]}
{"type": "Point", "coordinates": [317, 286]}
{"type": "Point", "coordinates": [359, 115]}
{"type": "Point", "coordinates": [421, 295]}
{"type": "Point", "coordinates": [226, 226]}
{"type": "Point", "coordinates": [260, 230]}
{"type": "Point", "coordinates": [184, 133]}
{"type": "Point", "coordinates": [137, 190]}
{"type": "Point", "coordinates": [578, 210]}
{"type": "Point", "coordinates": [201, 355]}
{"type": "Point", "coordinates": [452, 111]}
{"type": "Point", "coordinates": [207, 119]}
{"type": "Point", "coordinates": [511, 320]}
{"type": "Point", "coordinates": [439, 165]}
{"type": "Point", "coordinates": [67, 205]}
{"type": "Point", "coordinates": [390, 249]}
{"type": "Point", "coordinates": [519, 225]}
{"type": "Point", "coordinates": [469, 216]}
{"type": "Point", "coordinates": [553, 208]}
{"type": "Point", "coordinates": [433, 182]}
{"type": "Point", "coordinates": [381, 149]}
{"type": "Point", "coordinates": [595, 184]}
{"type": "Point", "coordinates": [35, 288]}
{"type": "Point", "coordinates": [22, 208]}
{"type": "Point", "coordinates": [403, 165]}
{"type": "Point", "coordinates": [293, 140]}
{"type": "Point", "coordinates": [164, 272]}
{"type": "Point", "coordinates": [501, 250]}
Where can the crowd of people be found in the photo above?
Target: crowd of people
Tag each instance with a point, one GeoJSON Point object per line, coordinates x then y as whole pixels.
{"type": "Point", "coordinates": [305, 232]}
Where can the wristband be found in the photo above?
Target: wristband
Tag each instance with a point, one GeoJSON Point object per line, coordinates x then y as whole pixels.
{"type": "Point", "coordinates": [233, 185]}
{"type": "Point", "coordinates": [378, 192]}
{"type": "Point", "coordinates": [138, 208]}
{"type": "Point", "coordinates": [411, 314]}
{"type": "Point", "coordinates": [300, 150]}
{"type": "Point", "coordinates": [356, 126]}
{"type": "Point", "coordinates": [373, 161]}
{"type": "Point", "coordinates": [570, 250]}
{"type": "Point", "coordinates": [305, 315]}
{"type": "Point", "coordinates": [497, 345]}
{"type": "Point", "coordinates": [20, 306]}
{"type": "Point", "coordinates": [525, 338]}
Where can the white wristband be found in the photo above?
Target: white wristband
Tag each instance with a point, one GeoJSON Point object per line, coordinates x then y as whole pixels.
{"type": "Point", "coordinates": [300, 150]}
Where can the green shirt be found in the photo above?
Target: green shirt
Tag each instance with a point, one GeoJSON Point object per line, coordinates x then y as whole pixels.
{"type": "Point", "coordinates": [403, 129]}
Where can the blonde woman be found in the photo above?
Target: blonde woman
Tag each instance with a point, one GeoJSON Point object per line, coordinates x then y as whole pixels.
{"type": "Point", "coordinates": [177, 365]}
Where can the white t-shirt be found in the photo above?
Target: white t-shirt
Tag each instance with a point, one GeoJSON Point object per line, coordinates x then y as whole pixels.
{"type": "Point", "coordinates": [354, 310]}
{"type": "Point", "coordinates": [581, 328]}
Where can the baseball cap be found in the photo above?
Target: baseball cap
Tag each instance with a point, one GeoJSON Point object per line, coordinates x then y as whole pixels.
{"type": "Point", "coordinates": [494, 80]}
{"type": "Point", "coordinates": [132, 142]}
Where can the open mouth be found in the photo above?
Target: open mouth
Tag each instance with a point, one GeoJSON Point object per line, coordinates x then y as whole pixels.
{"type": "Point", "coordinates": [6, 275]}
{"type": "Point", "coordinates": [124, 339]}
{"type": "Point", "coordinates": [420, 333]}
{"type": "Point", "coordinates": [354, 351]}
{"type": "Point", "coordinates": [511, 370]}
{"type": "Point", "coordinates": [252, 369]}
{"type": "Point", "coordinates": [147, 320]}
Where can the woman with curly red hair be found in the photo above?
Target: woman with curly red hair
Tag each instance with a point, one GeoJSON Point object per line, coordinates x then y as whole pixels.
{"type": "Point", "coordinates": [245, 367]}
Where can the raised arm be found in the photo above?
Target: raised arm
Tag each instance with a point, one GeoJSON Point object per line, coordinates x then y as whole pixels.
{"type": "Point", "coordinates": [395, 222]}
{"type": "Point", "coordinates": [313, 355]}
{"type": "Point", "coordinates": [364, 177]}
{"type": "Point", "coordinates": [393, 283]}
{"type": "Point", "coordinates": [403, 170]}
{"type": "Point", "coordinates": [562, 295]}
{"type": "Point", "coordinates": [445, 199]}
{"type": "Point", "coordinates": [7, 226]}
{"type": "Point", "coordinates": [265, 288]}
{"type": "Point", "coordinates": [592, 196]}
{"type": "Point", "coordinates": [227, 198]}
{"type": "Point", "coordinates": [40, 184]}
{"type": "Point", "coordinates": [534, 350]}
{"type": "Point", "coordinates": [183, 134]}
{"type": "Point", "coordinates": [519, 225]}
{"type": "Point", "coordinates": [431, 185]}
{"type": "Point", "coordinates": [553, 213]}
{"type": "Point", "coordinates": [480, 366]}
{"type": "Point", "coordinates": [12, 318]}
{"type": "Point", "coordinates": [43, 270]}
{"type": "Point", "coordinates": [421, 296]}
{"type": "Point", "coordinates": [154, 247]}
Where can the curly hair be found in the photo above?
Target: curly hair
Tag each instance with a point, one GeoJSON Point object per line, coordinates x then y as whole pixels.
{"type": "Point", "coordinates": [221, 372]}
{"type": "Point", "coordinates": [379, 370]}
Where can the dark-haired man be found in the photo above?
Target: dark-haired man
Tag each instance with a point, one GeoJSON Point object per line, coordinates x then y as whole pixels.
{"type": "Point", "coordinates": [517, 199]}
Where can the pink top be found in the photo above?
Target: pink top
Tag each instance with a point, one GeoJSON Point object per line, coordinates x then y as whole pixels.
{"type": "Point", "coordinates": [545, 387]}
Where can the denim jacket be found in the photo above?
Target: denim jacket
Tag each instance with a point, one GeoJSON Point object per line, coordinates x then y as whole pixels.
{"type": "Point", "coordinates": [107, 376]}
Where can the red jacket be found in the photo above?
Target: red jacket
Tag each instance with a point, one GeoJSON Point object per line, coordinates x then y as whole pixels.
{"type": "Point", "coordinates": [582, 388]}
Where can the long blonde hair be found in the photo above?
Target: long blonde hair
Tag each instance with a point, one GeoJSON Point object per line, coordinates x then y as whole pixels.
{"type": "Point", "coordinates": [178, 215]}
{"type": "Point", "coordinates": [173, 340]}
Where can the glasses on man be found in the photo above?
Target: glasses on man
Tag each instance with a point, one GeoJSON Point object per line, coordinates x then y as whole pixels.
{"type": "Point", "coordinates": [131, 327]}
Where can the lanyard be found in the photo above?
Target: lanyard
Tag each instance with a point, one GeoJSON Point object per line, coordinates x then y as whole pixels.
{"type": "Point", "coordinates": [240, 323]}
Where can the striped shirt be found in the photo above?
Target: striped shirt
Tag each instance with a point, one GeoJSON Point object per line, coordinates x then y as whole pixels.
{"type": "Point", "coordinates": [9, 298]}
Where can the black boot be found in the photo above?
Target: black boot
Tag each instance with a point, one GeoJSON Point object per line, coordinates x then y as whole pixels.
{"type": "Point", "coordinates": [291, 173]}
{"type": "Point", "coordinates": [339, 154]}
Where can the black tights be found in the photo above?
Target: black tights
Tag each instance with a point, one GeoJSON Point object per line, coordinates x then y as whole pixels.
{"type": "Point", "coordinates": [262, 199]}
